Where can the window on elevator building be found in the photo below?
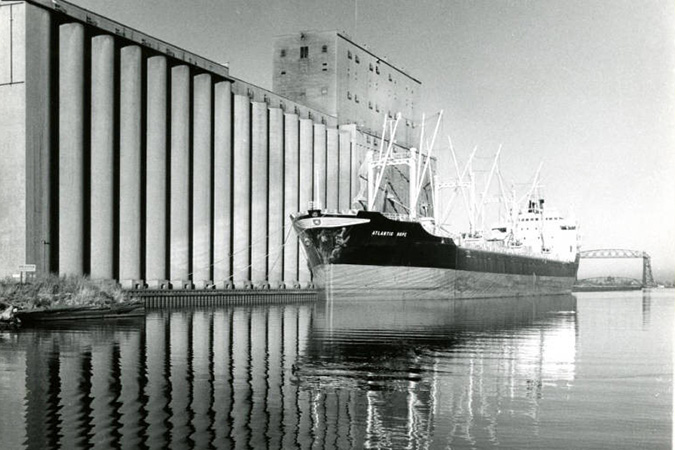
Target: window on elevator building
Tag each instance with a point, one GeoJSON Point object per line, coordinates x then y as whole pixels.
{"type": "Point", "coordinates": [304, 52]}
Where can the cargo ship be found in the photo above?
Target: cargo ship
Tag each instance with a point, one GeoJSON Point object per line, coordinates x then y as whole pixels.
{"type": "Point", "coordinates": [378, 254]}
{"type": "Point", "coordinates": [369, 253]}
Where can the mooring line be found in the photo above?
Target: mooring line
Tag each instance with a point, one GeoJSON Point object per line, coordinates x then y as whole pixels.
{"type": "Point", "coordinates": [290, 229]}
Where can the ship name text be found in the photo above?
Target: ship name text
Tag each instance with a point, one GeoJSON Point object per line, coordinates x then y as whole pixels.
{"type": "Point", "coordinates": [389, 233]}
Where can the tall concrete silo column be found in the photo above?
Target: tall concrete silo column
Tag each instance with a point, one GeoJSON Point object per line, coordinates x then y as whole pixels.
{"type": "Point", "coordinates": [259, 155]}
{"type": "Point", "coordinates": [156, 178]}
{"type": "Point", "coordinates": [71, 149]}
{"type": "Point", "coordinates": [180, 177]}
{"type": "Point", "coordinates": [222, 172]}
{"type": "Point", "coordinates": [332, 168]}
{"type": "Point", "coordinates": [306, 177]}
{"type": "Point", "coordinates": [344, 170]}
{"type": "Point", "coordinates": [130, 165]}
{"type": "Point", "coordinates": [201, 182]}
{"type": "Point", "coordinates": [40, 141]}
{"type": "Point", "coordinates": [276, 198]}
{"type": "Point", "coordinates": [102, 156]}
{"type": "Point", "coordinates": [241, 256]}
{"type": "Point", "coordinates": [291, 191]}
{"type": "Point", "coordinates": [320, 165]}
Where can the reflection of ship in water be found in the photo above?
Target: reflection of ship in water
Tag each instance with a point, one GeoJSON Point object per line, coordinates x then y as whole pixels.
{"type": "Point", "coordinates": [448, 370]}
{"type": "Point", "coordinates": [285, 376]}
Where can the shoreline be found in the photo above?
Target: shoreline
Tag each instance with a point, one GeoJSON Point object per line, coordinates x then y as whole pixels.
{"type": "Point", "coordinates": [62, 297]}
{"type": "Point", "coordinates": [53, 298]}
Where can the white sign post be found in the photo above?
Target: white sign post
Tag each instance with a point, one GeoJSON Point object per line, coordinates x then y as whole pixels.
{"type": "Point", "coordinates": [26, 268]}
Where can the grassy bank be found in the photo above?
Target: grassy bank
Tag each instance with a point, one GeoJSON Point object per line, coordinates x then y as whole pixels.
{"type": "Point", "coordinates": [53, 291]}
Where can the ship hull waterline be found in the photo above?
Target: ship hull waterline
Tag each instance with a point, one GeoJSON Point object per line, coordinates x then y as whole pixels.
{"type": "Point", "coordinates": [390, 283]}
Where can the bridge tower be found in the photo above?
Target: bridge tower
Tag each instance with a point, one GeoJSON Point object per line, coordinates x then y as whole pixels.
{"type": "Point", "coordinates": [647, 276]}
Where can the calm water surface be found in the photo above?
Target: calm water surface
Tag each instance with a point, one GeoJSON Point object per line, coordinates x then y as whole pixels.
{"type": "Point", "coordinates": [591, 371]}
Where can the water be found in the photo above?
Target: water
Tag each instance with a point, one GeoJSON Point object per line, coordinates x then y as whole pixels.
{"type": "Point", "coordinates": [595, 371]}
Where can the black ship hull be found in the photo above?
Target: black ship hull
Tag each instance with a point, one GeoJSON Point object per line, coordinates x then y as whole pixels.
{"type": "Point", "coordinates": [366, 252]}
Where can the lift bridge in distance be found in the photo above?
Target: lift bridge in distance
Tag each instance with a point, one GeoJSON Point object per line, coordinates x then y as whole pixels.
{"type": "Point", "coordinates": [647, 280]}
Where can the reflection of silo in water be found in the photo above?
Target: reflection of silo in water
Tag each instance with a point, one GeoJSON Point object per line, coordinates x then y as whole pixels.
{"type": "Point", "coordinates": [306, 413]}
{"type": "Point", "coordinates": [274, 376]}
{"type": "Point", "coordinates": [223, 374]}
{"type": "Point", "coordinates": [179, 423]}
{"type": "Point", "coordinates": [34, 396]}
{"type": "Point", "coordinates": [202, 381]}
{"type": "Point", "coordinates": [70, 397]}
{"type": "Point", "coordinates": [289, 391]}
{"type": "Point", "coordinates": [259, 419]}
{"type": "Point", "coordinates": [82, 387]}
{"type": "Point", "coordinates": [132, 387]}
{"type": "Point", "coordinates": [241, 408]}
{"type": "Point", "coordinates": [158, 339]}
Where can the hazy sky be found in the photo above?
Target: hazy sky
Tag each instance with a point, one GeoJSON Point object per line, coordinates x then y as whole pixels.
{"type": "Point", "coordinates": [586, 86]}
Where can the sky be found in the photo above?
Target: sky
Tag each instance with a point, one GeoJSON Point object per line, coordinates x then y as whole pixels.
{"type": "Point", "coordinates": [585, 87]}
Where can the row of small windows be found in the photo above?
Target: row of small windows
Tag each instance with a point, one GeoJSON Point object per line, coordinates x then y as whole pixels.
{"type": "Point", "coordinates": [376, 107]}
{"type": "Point", "coordinates": [303, 93]}
{"type": "Point", "coordinates": [304, 51]}
{"type": "Point", "coordinates": [356, 99]}
{"type": "Point", "coordinates": [371, 66]}
{"type": "Point", "coordinates": [324, 68]}
{"type": "Point", "coordinates": [537, 219]}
